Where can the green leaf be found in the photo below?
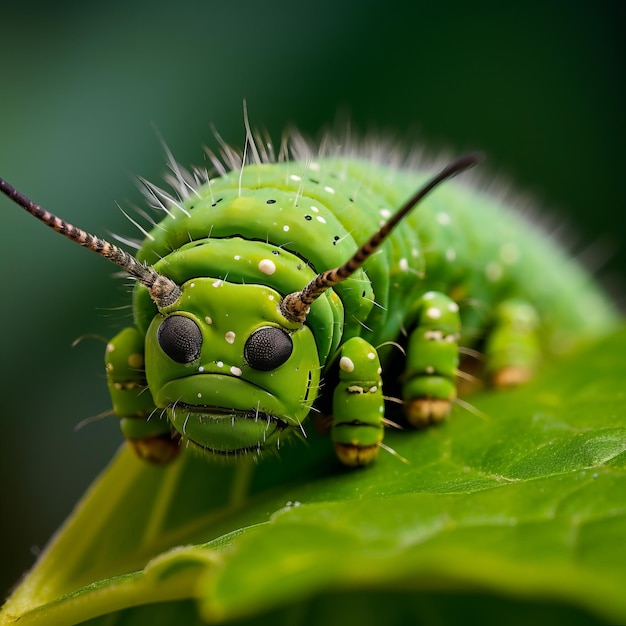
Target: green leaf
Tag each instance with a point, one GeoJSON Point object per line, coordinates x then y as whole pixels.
{"type": "Point", "coordinates": [515, 509]}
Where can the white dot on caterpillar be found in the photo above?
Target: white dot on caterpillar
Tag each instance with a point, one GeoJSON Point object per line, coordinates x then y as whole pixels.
{"type": "Point", "coordinates": [267, 266]}
{"type": "Point", "coordinates": [199, 395]}
{"type": "Point", "coordinates": [386, 213]}
{"type": "Point", "coordinates": [110, 347]}
{"type": "Point", "coordinates": [321, 219]}
{"type": "Point", "coordinates": [237, 257]}
{"type": "Point", "coordinates": [373, 389]}
{"type": "Point", "coordinates": [201, 369]}
{"type": "Point", "coordinates": [314, 166]}
{"type": "Point", "coordinates": [371, 356]}
{"type": "Point", "coordinates": [235, 371]}
{"type": "Point", "coordinates": [453, 306]}
{"type": "Point", "coordinates": [429, 369]}
{"type": "Point", "coordinates": [429, 295]}
{"type": "Point", "coordinates": [493, 271]}
{"type": "Point", "coordinates": [208, 320]}
{"type": "Point", "coordinates": [220, 364]}
{"type": "Point", "coordinates": [379, 371]}
{"type": "Point", "coordinates": [443, 218]}
{"type": "Point", "coordinates": [230, 337]}
{"type": "Point", "coordinates": [329, 189]}
{"type": "Point", "coordinates": [295, 177]}
{"type": "Point", "coordinates": [346, 364]}
{"type": "Point", "coordinates": [270, 297]}
{"type": "Point", "coordinates": [314, 209]}
{"type": "Point", "coordinates": [404, 265]}
{"type": "Point", "coordinates": [217, 283]}
{"type": "Point", "coordinates": [286, 228]}
{"type": "Point", "coordinates": [433, 313]}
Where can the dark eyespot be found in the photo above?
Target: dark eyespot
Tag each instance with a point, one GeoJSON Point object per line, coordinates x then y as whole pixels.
{"type": "Point", "coordinates": [267, 348]}
{"type": "Point", "coordinates": [180, 338]}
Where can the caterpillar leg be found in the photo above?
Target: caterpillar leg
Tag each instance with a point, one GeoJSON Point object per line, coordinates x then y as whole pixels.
{"type": "Point", "coordinates": [132, 401]}
{"type": "Point", "coordinates": [512, 349]}
{"type": "Point", "coordinates": [358, 405]}
{"type": "Point", "coordinates": [432, 361]}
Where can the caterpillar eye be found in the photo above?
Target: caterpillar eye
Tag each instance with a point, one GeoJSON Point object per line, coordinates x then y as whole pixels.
{"type": "Point", "coordinates": [267, 348]}
{"type": "Point", "coordinates": [180, 338]}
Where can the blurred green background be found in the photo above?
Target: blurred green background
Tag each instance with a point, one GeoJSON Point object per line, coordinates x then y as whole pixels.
{"type": "Point", "coordinates": [538, 85]}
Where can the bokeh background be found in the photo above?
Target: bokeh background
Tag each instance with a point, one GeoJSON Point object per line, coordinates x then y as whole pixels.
{"type": "Point", "coordinates": [538, 85]}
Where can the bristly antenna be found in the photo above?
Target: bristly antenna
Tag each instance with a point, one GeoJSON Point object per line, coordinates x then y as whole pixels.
{"type": "Point", "coordinates": [295, 306]}
{"type": "Point", "coordinates": [163, 290]}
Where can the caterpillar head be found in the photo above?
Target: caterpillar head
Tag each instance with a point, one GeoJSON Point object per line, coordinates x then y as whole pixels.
{"type": "Point", "coordinates": [233, 374]}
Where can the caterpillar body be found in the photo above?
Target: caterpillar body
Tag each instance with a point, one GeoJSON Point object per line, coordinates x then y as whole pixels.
{"type": "Point", "coordinates": [274, 288]}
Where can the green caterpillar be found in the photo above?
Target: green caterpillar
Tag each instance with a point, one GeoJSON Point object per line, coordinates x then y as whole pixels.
{"type": "Point", "coordinates": [267, 292]}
